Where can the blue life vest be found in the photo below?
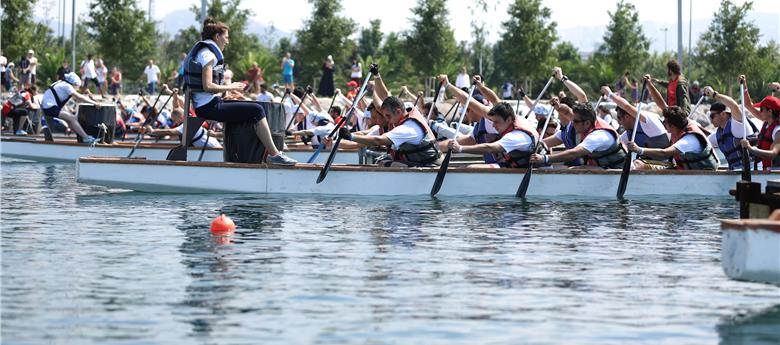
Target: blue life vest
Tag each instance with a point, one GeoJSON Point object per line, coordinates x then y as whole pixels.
{"type": "Point", "coordinates": [729, 145]}
{"type": "Point", "coordinates": [569, 136]}
{"type": "Point", "coordinates": [643, 140]}
{"type": "Point", "coordinates": [193, 70]}
{"type": "Point", "coordinates": [482, 136]}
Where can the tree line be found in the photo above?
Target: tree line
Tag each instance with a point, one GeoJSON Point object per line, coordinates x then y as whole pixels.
{"type": "Point", "coordinates": [527, 48]}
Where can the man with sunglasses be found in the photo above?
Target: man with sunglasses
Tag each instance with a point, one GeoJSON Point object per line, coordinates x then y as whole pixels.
{"type": "Point", "coordinates": [599, 147]}
{"type": "Point", "coordinates": [651, 132]}
{"type": "Point", "coordinates": [727, 117]}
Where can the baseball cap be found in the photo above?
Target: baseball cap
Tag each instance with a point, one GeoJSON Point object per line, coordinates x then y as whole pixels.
{"type": "Point", "coordinates": [352, 83]}
{"type": "Point", "coordinates": [770, 102]}
{"type": "Point", "coordinates": [718, 107]}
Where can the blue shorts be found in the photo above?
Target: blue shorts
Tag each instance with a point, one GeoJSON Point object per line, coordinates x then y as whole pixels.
{"type": "Point", "coordinates": [53, 111]}
{"type": "Point", "coordinates": [287, 78]}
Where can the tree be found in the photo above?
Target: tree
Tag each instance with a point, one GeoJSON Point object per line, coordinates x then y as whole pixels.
{"type": "Point", "coordinates": [728, 46]}
{"type": "Point", "coordinates": [113, 21]}
{"type": "Point", "coordinates": [525, 47]}
{"type": "Point", "coordinates": [625, 44]}
{"type": "Point", "coordinates": [20, 32]}
{"type": "Point", "coordinates": [431, 43]}
{"type": "Point", "coordinates": [325, 33]}
{"type": "Point", "coordinates": [370, 39]}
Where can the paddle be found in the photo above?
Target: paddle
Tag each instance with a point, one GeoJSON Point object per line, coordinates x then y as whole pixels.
{"type": "Point", "coordinates": [335, 148]}
{"type": "Point", "coordinates": [205, 144]}
{"type": "Point", "coordinates": [523, 188]}
{"type": "Point", "coordinates": [445, 164]}
{"type": "Point", "coordinates": [630, 158]}
{"type": "Point", "coordinates": [152, 115]}
{"type": "Point", "coordinates": [538, 97]}
{"type": "Point", "coordinates": [321, 146]}
{"type": "Point", "coordinates": [696, 106]}
{"type": "Point", "coordinates": [292, 118]}
{"type": "Point", "coordinates": [745, 156]}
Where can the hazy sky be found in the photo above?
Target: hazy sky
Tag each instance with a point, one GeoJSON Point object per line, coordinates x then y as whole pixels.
{"type": "Point", "coordinates": [288, 15]}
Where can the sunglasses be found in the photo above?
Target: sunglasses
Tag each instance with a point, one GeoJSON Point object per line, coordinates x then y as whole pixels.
{"type": "Point", "coordinates": [578, 121]}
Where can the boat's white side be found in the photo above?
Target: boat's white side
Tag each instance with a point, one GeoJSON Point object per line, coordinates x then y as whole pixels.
{"type": "Point", "coordinates": [60, 151]}
{"type": "Point", "coordinates": [186, 177]}
{"type": "Point", "coordinates": [750, 250]}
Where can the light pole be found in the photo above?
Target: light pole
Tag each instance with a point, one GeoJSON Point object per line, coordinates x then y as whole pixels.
{"type": "Point", "coordinates": [665, 30]}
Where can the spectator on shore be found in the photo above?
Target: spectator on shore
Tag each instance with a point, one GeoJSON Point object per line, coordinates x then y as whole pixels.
{"type": "Point", "coordinates": [326, 87]}
{"type": "Point", "coordinates": [9, 78]}
{"type": "Point", "coordinates": [89, 73]}
{"type": "Point", "coordinates": [506, 90]}
{"type": "Point", "coordinates": [357, 71]}
{"type": "Point", "coordinates": [24, 72]}
{"type": "Point", "coordinates": [3, 64]}
{"type": "Point", "coordinates": [288, 65]}
{"type": "Point", "coordinates": [152, 73]}
{"type": "Point", "coordinates": [676, 87]}
{"type": "Point", "coordinates": [352, 87]}
{"type": "Point", "coordinates": [264, 95]}
{"type": "Point", "coordinates": [102, 71]}
{"type": "Point", "coordinates": [255, 77]}
{"type": "Point", "coordinates": [463, 79]}
{"type": "Point", "coordinates": [63, 70]}
{"type": "Point", "coordinates": [115, 87]}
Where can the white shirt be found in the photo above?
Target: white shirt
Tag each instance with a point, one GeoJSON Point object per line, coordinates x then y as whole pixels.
{"type": "Point", "coordinates": [152, 71]}
{"type": "Point", "coordinates": [597, 141]}
{"type": "Point", "coordinates": [212, 142]}
{"type": "Point", "coordinates": [33, 64]}
{"type": "Point", "coordinates": [89, 69]}
{"type": "Point", "coordinates": [652, 127]}
{"type": "Point", "coordinates": [3, 63]}
{"type": "Point", "coordinates": [101, 73]}
{"type": "Point", "coordinates": [361, 119]}
{"type": "Point", "coordinates": [357, 71]}
{"type": "Point", "coordinates": [265, 97]}
{"type": "Point", "coordinates": [688, 143]}
{"type": "Point", "coordinates": [204, 57]}
{"type": "Point", "coordinates": [737, 130]}
{"type": "Point", "coordinates": [462, 81]}
{"type": "Point", "coordinates": [516, 140]}
{"type": "Point", "coordinates": [408, 132]}
{"type": "Point", "coordinates": [63, 90]}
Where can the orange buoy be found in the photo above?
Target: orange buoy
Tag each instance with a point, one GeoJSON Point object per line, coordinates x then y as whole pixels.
{"type": "Point", "coordinates": [222, 225]}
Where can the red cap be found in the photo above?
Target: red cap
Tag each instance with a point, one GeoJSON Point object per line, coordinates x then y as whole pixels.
{"type": "Point", "coordinates": [770, 102]}
{"type": "Point", "coordinates": [352, 83]}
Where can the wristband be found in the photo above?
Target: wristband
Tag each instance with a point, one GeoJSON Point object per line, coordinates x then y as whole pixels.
{"type": "Point", "coordinates": [641, 151]}
{"type": "Point", "coordinates": [460, 148]}
{"type": "Point", "coordinates": [715, 94]}
{"type": "Point", "coordinates": [546, 159]}
{"type": "Point", "coordinates": [522, 94]}
{"type": "Point", "coordinates": [564, 79]}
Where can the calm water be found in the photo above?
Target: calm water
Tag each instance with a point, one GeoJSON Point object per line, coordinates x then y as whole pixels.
{"type": "Point", "coordinates": [89, 265]}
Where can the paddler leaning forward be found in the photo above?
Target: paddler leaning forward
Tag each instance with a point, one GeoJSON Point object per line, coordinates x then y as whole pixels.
{"type": "Point", "coordinates": [203, 71]}
{"type": "Point", "coordinates": [600, 147]}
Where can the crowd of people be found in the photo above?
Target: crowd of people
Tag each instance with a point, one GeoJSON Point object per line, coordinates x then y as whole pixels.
{"type": "Point", "coordinates": [571, 132]}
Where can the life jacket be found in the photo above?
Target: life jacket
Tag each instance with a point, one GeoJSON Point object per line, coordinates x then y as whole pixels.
{"type": "Point", "coordinates": [671, 92]}
{"type": "Point", "coordinates": [611, 158]}
{"type": "Point", "coordinates": [193, 70]}
{"type": "Point", "coordinates": [482, 136]}
{"type": "Point", "coordinates": [517, 158]}
{"type": "Point", "coordinates": [660, 141]}
{"type": "Point", "coordinates": [424, 153]}
{"type": "Point", "coordinates": [704, 160]}
{"type": "Point", "coordinates": [729, 145]}
{"type": "Point", "coordinates": [569, 136]}
{"type": "Point", "coordinates": [60, 103]}
{"type": "Point", "coordinates": [16, 100]}
{"type": "Point", "coordinates": [765, 141]}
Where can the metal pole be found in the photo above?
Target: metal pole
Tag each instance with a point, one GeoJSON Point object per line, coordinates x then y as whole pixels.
{"type": "Point", "coordinates": [679, 33]}
{"type": "Point", "coordinates": [690, 30]}
{"type": "Point", "coordinates": [73, 36]}
{"type": "Point", "coordinates": [202, 10]}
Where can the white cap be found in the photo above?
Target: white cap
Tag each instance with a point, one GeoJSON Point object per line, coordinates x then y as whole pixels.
{"type": "Point", "coordinates": [73, 79]}
{"type": "Point", "coordinates": [408, 106]}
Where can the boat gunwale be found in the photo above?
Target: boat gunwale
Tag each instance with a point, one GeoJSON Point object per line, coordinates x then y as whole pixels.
{"type": "Point", "coordinates": [142, 145]}
{"type": "Point", "coordinates": [750, 224]}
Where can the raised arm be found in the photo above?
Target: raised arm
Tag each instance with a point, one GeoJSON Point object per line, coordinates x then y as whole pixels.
{"type": "Point", "coordinates": [730, 103]}
{"type": "Point", "coordinates": [654, 94]}
{"type": "Point", "coordinates": [477, 107]}
{"type": "Point", "coordinates": [572, 86]}
{"type": "Point", "coordinates": [380, 89]}
{"type": "Point", "coordinates": [484, 90]}
{"type": "Point", "coordinates": [748, 100]}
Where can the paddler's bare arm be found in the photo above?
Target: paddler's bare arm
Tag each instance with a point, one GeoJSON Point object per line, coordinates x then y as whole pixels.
{"type": "Point", "coordinates": [575, 89]}
{"type": "Point", "coordinates": [484, 90]}
{"type": "Point", "coordinates": [654, 94]}
{"type": "Point", "coordinates": [477, 107]}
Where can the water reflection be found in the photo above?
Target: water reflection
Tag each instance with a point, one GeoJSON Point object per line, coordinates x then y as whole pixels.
{"type": "Point", "coordinates": [751, 328]}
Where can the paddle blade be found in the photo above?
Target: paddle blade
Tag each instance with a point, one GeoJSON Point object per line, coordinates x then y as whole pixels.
{"type": "Point", "coordinates": [745, 165]}
{"type": "Point", "coordinates": [523, 188]}
{"type": "Point", "coordinates": [440, 175]}
{"type": "Point", "coordinates": [624, 176]}
{"type": "Point", "coordinates": [315, 155]}
{"type": "Point", "coordinates": [178, 153]}
{"type": "Point", "coordinates": [326, 168]}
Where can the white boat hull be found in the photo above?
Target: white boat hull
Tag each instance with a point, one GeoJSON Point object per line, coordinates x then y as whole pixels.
{"type": "Point", "coordinates": [750, 250]}
{"type": "Point", "coordinates": [70, 151]}
{"type": "Point", "coordinates": [188, 177]}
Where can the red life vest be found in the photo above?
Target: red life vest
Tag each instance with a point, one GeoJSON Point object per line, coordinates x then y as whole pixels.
{"type": "Point", "coordinates": [671, 92]}
{"type": "Point", "coordinates": [765, 141]}
{"type": "Point", "coordinates": [519, 158]}
{"type": "Point", "coordinates": [691, 128]}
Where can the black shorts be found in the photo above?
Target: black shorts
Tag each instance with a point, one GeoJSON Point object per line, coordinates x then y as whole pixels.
{"type": "Point", "coordinates": [231, 111]}
{"type": "Point", "coordinates": [53, 111]}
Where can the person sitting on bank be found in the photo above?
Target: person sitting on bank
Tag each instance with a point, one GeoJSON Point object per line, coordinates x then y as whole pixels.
{"type": "Point", "coordinates": [727, 117]}
{"type": "Point", "coordinates": [768, 147]}
{"type": "Point", "coordinates": [204, 67]}
{"type": "Point", "coordinates": [690, 148]}
{"type": "Point", "coordinates": [517, 140]}
{"type": "Point", "coordinates": [18, 106]}
{"type": "Point", "coordinates": [411, 141]}
{"type": "Point", "coordinates": [600, 146]}
{"type": "Point", "coordinates": [56, 97]}
{"type": "Point", "coordinates": [651, 132]}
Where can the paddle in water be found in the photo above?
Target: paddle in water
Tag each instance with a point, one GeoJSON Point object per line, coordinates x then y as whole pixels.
{"type": "Point", "coordinates": [630, 157]}
{"type": "Point", "coordinates": [343, 122]}
{"type": "Point", "coordinates": [445, 164]}
{"type": "Point", "coordinates": [522, 189]}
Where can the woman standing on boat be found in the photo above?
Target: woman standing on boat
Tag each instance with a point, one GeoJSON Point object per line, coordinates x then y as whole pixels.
{"type": "Point", "coordinates": [203, 71]}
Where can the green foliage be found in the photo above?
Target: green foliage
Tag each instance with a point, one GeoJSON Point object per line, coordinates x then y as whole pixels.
{"type": "Point", "coordinates": [398, 68]}
{"type": "Point", "coordinates": [20, 32]}
{"type": "Point", "coordinates": [370, 39]}
{"type": "Point", "coordinates": [325, 33]}
{"type": "Point", "coordinates": [728, 47]}
{"type": "Point", "coordinates": [524, 50]}
{"type": "Point", "coordinates": [113, 21]}
{"type": "Point", "coordinates": [430, 44]}
{"type": "Point", "coordinates": [625, 44]}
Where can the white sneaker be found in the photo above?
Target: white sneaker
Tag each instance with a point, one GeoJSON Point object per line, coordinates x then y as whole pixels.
{"type": "Point", "coordinates": [90, 140]}
{"type": "Point", "coordinates": [20, 132]}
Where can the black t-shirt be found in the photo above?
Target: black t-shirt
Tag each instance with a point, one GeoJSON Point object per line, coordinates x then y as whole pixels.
{"type": "Point", "coordinates": [24, 63]}
{"type": "Point", "coordinates": [62, 71]}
